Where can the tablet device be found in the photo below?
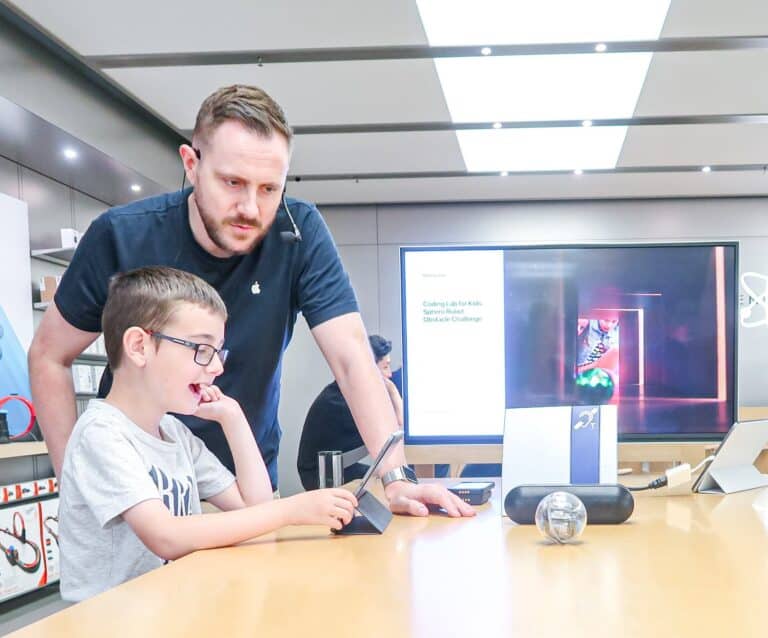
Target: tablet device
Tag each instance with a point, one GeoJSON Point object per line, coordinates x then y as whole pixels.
{"type": "Point", "coordinates": [733, 468]}
{"type": "Point", "coordinates": [388, 445]}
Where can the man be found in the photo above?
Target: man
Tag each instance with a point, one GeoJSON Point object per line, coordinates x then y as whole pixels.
{"type": "Point", "coordinates": [267, 268]}
{"type": "Point", "coordinates": [330, 426]}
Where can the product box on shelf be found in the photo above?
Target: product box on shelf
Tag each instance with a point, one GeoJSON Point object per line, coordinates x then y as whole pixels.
{"type": "Point", "coordinates": [29, 543]}
{"type": "Point", "coordinates": [28, 490]}
{"type": "Point", "coordinates": [70, 237]}
{"type": "Point", "coordinates": [48, 285]}
{"type": "Point", "coordinates": [50, 533]}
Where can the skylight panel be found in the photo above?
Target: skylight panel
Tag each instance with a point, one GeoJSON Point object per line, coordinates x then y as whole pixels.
{"type": "Point", "coordinates": [499, 89]}
{"type": "Point", "coordinates": [542, 87]}
{"type": "Point", "coordinates": [488, 22]}
{"type": "Point", "coordinates": [543, 149]}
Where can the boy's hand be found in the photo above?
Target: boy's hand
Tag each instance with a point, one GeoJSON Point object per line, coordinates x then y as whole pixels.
{"type": "Point", "coordinates": [333, 507]}
{"type": "Point", "coordinates": [217, 406]}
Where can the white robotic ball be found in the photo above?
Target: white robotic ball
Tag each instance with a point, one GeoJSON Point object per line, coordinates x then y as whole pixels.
{"type": "Point", "coordinates": [561, 516]}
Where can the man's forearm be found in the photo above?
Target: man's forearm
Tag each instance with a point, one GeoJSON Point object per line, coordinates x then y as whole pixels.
{"type": "Point", "coordinates": [345, 345]}
{"type": "Point", "coordinates": [372, 410]}
{"type": "Point", "coordinates": [53, 395]}
{"type": "Point", "coordinates": [397, 401]}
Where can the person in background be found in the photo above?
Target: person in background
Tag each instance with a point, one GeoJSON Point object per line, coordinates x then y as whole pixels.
{"type": "Point", "coordinates": [330, 426]}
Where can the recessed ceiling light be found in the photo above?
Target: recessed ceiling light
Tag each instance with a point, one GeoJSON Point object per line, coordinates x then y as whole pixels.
{"type": "Point", "coordinates": [706, 169]}
{"type": "Point", "coordinates": [504, 173]}
{"type": "Point", "coordinates": [587, 123]}
{"type": "Point", "coordinates": [578, 171]}
{"type": "Point", "coordinates": [497, 125]}
{"type": "Point", "coordinates": [600, 48]}
{"type": "Point", "coordinates": [486, 50]}
{"type": "Point", "coordinates": [70, 153]}
{"type": "Point", "coordinates": [136, 188]}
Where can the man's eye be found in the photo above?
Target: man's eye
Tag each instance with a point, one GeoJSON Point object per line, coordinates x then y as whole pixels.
{"type": "Point", "coordinates": [232, 182]}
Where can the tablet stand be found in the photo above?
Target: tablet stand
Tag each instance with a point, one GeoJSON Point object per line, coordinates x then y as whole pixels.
{"type": "Point", "coordinates": [373, 519]}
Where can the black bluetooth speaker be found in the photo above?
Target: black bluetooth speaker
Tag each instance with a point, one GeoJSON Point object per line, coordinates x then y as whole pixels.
{"type": "Point", "coordinates": [605, 504]}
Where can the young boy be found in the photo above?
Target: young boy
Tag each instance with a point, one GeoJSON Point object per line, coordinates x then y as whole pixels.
{"type": "Point", "coordinates": [133, 475]}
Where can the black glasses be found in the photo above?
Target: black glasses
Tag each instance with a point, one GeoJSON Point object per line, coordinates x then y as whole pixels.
{"type": "Point", "coordinates": [204, 352]}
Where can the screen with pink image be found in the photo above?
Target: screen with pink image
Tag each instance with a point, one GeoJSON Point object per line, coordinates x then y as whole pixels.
{"type": "Point", "coordinates": [651, 329]}
{"type": "Point", "coordinates": [597, 355]}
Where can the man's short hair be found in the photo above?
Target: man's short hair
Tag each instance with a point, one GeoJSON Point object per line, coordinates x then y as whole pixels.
{"type": "Point", "coordinates": [147, 298]}
{"type": "Point", "coordinates": [249, 105]}
{"type": "Point", "coordinates": [381, 347]}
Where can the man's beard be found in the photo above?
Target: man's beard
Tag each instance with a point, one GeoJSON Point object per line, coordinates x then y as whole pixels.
{"type": "Point", "coordinates": [216, 229]}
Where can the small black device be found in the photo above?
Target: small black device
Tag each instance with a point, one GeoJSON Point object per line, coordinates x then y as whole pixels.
{"type": "Point", "coordinates": [605, 504]}
{"type": "Point", "coordinates": [473, 492]}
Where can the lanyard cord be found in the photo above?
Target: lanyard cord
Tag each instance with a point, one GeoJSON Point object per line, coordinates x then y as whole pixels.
{"type": "Point", "coordinates": [12, 554]}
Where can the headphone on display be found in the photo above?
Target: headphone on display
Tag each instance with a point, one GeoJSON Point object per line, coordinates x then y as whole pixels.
{"type": "Point", "coordinates": [292, 236]}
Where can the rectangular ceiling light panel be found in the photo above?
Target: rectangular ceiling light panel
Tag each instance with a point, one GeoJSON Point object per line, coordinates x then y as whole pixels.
{"type": "Point", "coordinates": [489, 22]}
{"type": "Point", "coordinates": [541, 87]}
{"type": "Point", "coordinates": [544, 149]}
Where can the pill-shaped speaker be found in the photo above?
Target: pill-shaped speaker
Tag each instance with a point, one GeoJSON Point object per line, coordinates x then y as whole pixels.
{"type": "Point", "coordinates": [605, 504]}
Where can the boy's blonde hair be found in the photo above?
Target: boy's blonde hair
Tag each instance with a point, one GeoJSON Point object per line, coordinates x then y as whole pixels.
{"type": "Point", "coordinates": [147, 298]}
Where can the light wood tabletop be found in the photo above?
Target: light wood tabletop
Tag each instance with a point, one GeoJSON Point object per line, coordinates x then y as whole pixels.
{"type": "Point", "coordinates": [682, 566]}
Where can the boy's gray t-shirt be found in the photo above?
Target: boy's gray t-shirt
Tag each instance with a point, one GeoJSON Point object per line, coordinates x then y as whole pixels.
{"type": "Point", "coordinates": [110, 465]}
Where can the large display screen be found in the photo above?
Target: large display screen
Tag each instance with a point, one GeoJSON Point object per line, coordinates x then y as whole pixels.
{"type": "Point", "coordinates": [650, 328]}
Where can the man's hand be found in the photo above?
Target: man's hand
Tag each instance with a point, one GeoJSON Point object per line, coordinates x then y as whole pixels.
{"type": "Point", "coordinates": [410, 498]}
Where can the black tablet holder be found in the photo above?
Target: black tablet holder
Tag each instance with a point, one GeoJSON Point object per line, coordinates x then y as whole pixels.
{"type": "Point", "coordinates": [373, 517]}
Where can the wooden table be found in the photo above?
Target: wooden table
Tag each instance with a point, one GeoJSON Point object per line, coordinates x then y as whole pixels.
{"type": "Point", "coordinates": [682, 566]}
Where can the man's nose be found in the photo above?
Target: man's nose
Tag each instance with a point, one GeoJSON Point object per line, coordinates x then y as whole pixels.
{"type": "Point", "coordinates": [249, 205]}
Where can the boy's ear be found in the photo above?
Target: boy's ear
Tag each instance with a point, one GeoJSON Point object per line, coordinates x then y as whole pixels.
{"type": "Point", "coordinates": [135, 346]}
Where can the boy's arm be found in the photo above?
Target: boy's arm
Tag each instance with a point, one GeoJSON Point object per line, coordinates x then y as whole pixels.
{"type": "Point", "coordinates": [253, 485]}
{"type": "Point", "coordinates": [171, 537]}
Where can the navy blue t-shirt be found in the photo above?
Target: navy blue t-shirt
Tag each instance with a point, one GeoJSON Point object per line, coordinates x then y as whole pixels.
{"type": "Point", "coordinates": [263, 291]}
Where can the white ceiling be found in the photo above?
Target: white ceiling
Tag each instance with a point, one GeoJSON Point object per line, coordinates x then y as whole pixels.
{"type": "Point", "coordinates": [409, 91]}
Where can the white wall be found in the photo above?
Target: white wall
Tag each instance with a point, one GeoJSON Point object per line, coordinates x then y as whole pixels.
{"type": "Point", "coordinates": [15, 294]}
{"type": "Point", "coordinates": [369, 238]}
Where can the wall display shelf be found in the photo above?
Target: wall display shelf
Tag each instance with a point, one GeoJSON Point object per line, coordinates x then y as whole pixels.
{"type": "Point", "coordinates": [58, 256]}
{"type": "Point", "coordinates": [27, 448]}
{"type": "Point", "coordinates": [91, 358]}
